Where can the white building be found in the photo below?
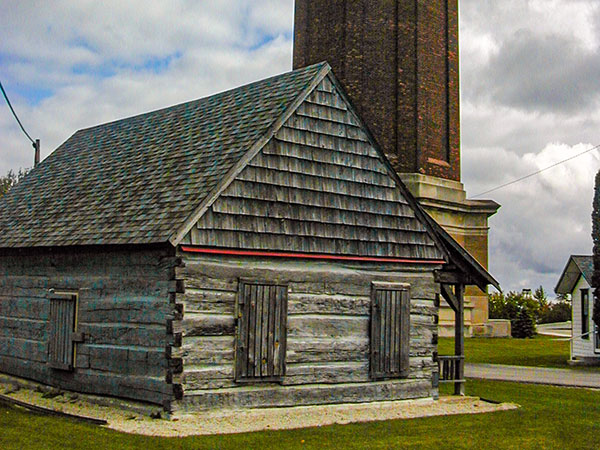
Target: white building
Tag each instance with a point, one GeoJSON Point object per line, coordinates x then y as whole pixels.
{"type": "Point", "coordinates": [576, 280]}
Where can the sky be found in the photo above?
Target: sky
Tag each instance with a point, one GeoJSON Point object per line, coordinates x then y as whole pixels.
{"type": "Point", "coordinates": [530, 81]}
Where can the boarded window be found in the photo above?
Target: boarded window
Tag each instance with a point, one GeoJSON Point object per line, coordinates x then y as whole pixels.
{"type": "Point", "coordinates": [63, 335]}
{"type": "Point", "coordinates": [261, 332]}
{"type": "Point", "coordinates": [390, 331]}
{"type": "Point", "coordinates": [585, 313]}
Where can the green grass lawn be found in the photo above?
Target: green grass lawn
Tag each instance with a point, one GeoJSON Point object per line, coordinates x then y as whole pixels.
{"type": "Point", "coordinates": [541, 351]}
{"type": "Point", "coordinates": [550, 417]}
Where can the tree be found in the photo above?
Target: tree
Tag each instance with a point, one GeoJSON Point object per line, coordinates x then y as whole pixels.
{"type": "Point", "coordinates": [10, 179]}
{"type": "Point", "coordinates": [596, 239]}
{"type": "Point", "coordinates": [524, 325]}
{"type": "Point", "coordinates": [523, 311]}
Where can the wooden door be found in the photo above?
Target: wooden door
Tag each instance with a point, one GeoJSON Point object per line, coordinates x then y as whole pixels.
{"type": "Point", "coordinates": [261, 332]}
{"type": "Point", "coordinates": [63, 335]}
{"type": "Point", "coordinates": [390, 332]}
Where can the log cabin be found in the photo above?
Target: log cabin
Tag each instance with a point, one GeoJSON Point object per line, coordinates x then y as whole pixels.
{"type": "Point", "coordinates": [254, 248]}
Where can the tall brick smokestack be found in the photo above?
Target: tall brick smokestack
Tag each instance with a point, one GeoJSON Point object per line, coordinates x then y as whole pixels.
{"type": "Point", "coordinates": [398, 60]}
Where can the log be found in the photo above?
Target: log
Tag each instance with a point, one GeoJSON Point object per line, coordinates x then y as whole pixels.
{"type": "Point", "coordinates": [321, 350]}
{"type": "Point", "coordinates": [329, 373]}
{"type": "Point", "coordinates": [195, 324]}
{"type": "Point", "coordinates": [24, 349]}
{"type": "Point", "coordinates": [328, 326]}
{"type": "Point", "coordinates": [208, 301]}
{"type": "Point", "coordinates": [206, 350]}
{"type": "Point", "coordinates": [17, 328]}
{"type": "Point", "coordinates": [305, 303]}
{"type": "Point", "coordinates": [277, 396]}
{"type": "Point", "coordinates": [126, 309]}
{"type": "Point", "coordinates": [149, 389]}
{"type": "Point", "coordinates": [126, 334]}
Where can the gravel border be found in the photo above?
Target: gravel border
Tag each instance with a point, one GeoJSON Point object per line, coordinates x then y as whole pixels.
{"type": "Point", "coordinates": [131, 417]}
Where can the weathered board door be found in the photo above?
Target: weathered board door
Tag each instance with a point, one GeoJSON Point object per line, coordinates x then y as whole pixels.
{"type": "Point", "coordinates": [63, 335]}
{"type": "Point", "coordinates": [390, 332]}
{"type": "Point", "coordinates": [261, 332]}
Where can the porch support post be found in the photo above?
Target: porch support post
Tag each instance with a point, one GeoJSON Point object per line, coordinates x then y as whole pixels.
{"type": "Point", "coordinates": [459, 339]}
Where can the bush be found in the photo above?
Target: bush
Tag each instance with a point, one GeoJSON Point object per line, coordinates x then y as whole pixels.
{"type": "Point", "coordinates": [556, 312]}
{"type": "Point", "coordinates": [509, 306]}
{"type": "Point", "coordinates": [524, 325]}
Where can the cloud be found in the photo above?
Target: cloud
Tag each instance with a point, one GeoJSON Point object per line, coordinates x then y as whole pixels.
{"type": "Point", "coordinates": [101, 61]}
{"type": "Point", "coordinates": [546, 73]}
{"type": "Point", "coordinates": [543, 219]}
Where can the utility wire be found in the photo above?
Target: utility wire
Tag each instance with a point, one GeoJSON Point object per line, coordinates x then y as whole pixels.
{"type": "Point", "coordinates": [536, 173]}
{"type": "Point", "coordinates": [14, 113]}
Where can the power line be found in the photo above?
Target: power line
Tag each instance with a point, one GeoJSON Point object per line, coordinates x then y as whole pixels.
{"type": "Point", "coordinates": [536, 173]}
{"type": "Point", "coordinates": [15, 114]}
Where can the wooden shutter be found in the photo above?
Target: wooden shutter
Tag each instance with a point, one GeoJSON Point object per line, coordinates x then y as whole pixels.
{"type": "Point", "coordinates": [261, 332]}
{"type": "Point", "coordinates": [63, 335]}
{"type": "Point", "coordinates": [390, 332]}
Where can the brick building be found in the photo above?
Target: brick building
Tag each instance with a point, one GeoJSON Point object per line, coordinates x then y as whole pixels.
{"type": "Point", "coordinates": [399, 64]}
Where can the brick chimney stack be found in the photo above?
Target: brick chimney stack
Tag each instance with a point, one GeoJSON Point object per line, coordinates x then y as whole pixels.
{"type": "Point", "coordinates": [399, 63]}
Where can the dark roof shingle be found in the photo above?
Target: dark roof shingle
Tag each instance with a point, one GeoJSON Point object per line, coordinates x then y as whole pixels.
{"type": "Point", "coordinates": [136, 180]}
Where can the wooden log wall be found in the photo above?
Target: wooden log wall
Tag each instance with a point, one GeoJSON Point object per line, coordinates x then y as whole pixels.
{"type": "Point", "coordinates": [327, 332]}
{"type": "Point", "coordinates": [124, 312]}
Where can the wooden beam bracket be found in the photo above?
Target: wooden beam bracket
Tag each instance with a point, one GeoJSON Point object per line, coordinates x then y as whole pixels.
{"type": "Point", "coordinates": [450, 297]}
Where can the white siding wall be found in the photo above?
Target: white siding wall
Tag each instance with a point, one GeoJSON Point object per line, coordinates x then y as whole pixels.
{"type": "Point", "coordinates": [582, 347]}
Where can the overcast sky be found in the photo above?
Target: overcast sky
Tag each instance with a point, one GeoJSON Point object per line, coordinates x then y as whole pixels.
{"type": "Point", "coordinates": [530, 95]}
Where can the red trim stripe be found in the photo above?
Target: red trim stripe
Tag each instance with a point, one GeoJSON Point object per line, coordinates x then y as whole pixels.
{"type": "Point", "coordinates": [225, 251]}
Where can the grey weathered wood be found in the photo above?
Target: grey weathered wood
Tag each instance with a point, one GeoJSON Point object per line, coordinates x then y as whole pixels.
{"type": "Point", "coordinates": [62, 321]}
{"type": "Point", "coordinates": [450, 297]}
{"type": "Point", "coordinates": [208, 301]}
{"type": "Point", "coordinates": [327, 349]}
{"type": "Point", "coordinates": [327, 373]}
{"type": "Point", "coordinates": [324, 182]}
{"type": "Point", "coordinates": [325, 301]}
{"type": "Point", "coordinates": [266, 192]}
{"type": "Point", "coordinates": [332, 100]}
{"type": "Point", "coordinates": [24, 349]}
{"type": "Point", "coordinates": [197, 324]}
{"type": "Point", "coordinates": [207, 350]}
{"type": "Point", "coordinates": [282, 330]}
{"type": "Point", "coordinates": [322, 112]}
{"type": "Point", "coordinates": [261, 332]}
{"type": "Point", "coordinates": [123, 307]}
{"type": "Point", "coordinates": [390, 332]}
{"type": "Point", "coordinates": [303, 153]}
{"type": "Point", "coordinates": [310, 244]}
{"type": "Point", "coordinates": [459, 338]}
{"type": "Point", "coordinates": [405, 329]}
{"type": "Point", "coordinates": [327, 326]}
{"type": "Point", "coordinates": [256, 147]}
{"type": "Point", "coordinates": [304, 303]}
{"type": "Point", "coordinates": [17, 328]}
{"type": "Point", "coordinates": [307, 395]}
{"type": "Point", "coordinates": [285, 171]}
{"type": "Point", "coordinates": [125, 334]}
{"type": "Point", "coordinates": [284, 210]}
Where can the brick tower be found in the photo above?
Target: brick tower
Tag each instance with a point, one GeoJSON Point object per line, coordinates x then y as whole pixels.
{"type": "Point", "coordinates": [398, 60]}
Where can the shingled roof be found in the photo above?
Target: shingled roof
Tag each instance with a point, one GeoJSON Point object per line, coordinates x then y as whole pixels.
{"type": "Point", "coordinates": [132, 181]}
{"type": "Point", "coordinates": [577, 266]}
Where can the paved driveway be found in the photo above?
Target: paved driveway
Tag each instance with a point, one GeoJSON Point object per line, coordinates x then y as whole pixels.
{"type": "Point", "coordinates": [537, 375]}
